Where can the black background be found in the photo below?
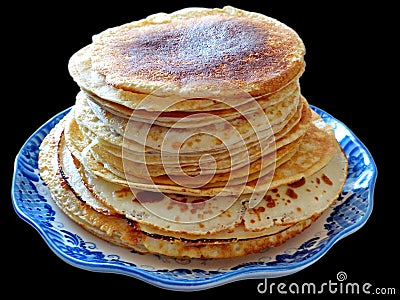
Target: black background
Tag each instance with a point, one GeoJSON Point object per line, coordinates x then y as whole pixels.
{"type": "Point", "coordinates": [346, 56]}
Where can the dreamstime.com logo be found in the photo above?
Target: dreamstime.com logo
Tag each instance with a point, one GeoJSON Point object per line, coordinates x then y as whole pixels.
{"type": "Point", "coordinates": [340, 286]}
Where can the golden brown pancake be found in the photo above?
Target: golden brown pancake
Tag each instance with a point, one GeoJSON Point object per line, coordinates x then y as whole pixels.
{"type": "Point", "coordinates": [253, 52]}
{"type": "Point", "coordinates": [191, 53]}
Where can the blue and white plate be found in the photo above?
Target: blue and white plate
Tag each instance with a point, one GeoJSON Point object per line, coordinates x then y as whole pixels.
{"type": "Point", "coordinates": [32, 202]}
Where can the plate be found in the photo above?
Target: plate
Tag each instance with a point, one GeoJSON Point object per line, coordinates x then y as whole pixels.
{"type": "Point", "coordinates": [32, 202]}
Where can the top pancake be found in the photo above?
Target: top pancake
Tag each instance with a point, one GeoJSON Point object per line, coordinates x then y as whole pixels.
{"type": "Point", "coordinates": [194, 53]}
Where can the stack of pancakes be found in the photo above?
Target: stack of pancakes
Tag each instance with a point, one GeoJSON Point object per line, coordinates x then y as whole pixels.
{"type": "Point", "coordinates": [190, 137]}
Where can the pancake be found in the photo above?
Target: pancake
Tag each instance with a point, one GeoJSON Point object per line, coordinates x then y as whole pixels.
{"type": "Point", "coordinates": [289, 95]}
{"type": "Point", "coordinates": [206, 249]}
{"type": "Point", "coordinates": [166, 53]}
{"type": "Point", "coordinates": [246, 52]}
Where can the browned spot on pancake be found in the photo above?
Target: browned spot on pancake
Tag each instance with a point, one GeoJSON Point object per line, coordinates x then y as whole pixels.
{"type": "Point", "coordinates": [176, 145]}
{"type": "Point", "coordinates": [198, 200]}
{"type": "Point", "coordinates": [291, 193]}
{"type": "Point", "coordinates": [326, 180]}
{"type": "Point", "coordinates": [182, 206]}
{"type": "Point", "coordinates": [258, 211]}
{"type": "Point", "coordinates": [298, 183]}
{"type": "Point", "coordinates": [270, 201]}
{"type": "Point", "coordinates": [197, 206]}
{"type": "Point", "coordinates": [275, 191]}
{"type": "Point", "coordinates": [64, 184]}
{"type": "Point", "coordinates": [122, 192]}
{"type": "Point", "coordinates": [206, 47]}
{"type": "Point", "coordinates": [149, 197]}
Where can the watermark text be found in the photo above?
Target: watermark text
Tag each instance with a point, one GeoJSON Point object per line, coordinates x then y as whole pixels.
{"type": "Point", "coordinates": [340, 286]}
